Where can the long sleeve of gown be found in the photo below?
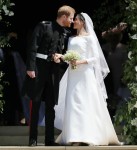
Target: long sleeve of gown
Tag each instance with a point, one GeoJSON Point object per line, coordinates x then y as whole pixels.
{"type": "Point", "coordinates": [92, 55]}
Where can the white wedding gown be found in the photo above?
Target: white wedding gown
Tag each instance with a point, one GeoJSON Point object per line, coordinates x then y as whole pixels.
{"type": "Point", "coordinates": [82, 112]}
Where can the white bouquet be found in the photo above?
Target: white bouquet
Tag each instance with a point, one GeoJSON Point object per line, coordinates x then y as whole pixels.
{"type": "Point", "coordinates": [70, 56]}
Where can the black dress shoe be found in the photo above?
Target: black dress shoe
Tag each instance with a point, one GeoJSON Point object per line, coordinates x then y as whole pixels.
{"type": "Point", "coordinates": [52, 144]}
{"type": "Point", "coordinates": [84, 144]}
{"type": "Point", "coordinates": [33, 142]}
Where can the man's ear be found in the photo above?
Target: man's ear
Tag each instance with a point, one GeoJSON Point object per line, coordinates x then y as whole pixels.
{"type": "Point", "coordinates": [64, 16]}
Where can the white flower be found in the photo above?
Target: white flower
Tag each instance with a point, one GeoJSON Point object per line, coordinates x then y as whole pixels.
{"type": "Point", "coordinates": [134, 25]}
{"type": "Point", "coordinates": [12, 4]}
{"type": "Point", "coordinates": [136, 68]}
{"type": "Point", "coordinates": [4, 7]}
{"type": "Point", "coordinates": [134, 36]}
{"type": "Point", "coordinates": [135, 105]}
{"type": "Point", "coordinates": [11, 13]}
{"type": "Point", "coordinates": [70, 56]}
{"type": "Point", "coordinates": [129, 55]}
{"type": "Point", "coordinates": [134, 122]}
{"type": "Point", "coordinates": [7, 11]}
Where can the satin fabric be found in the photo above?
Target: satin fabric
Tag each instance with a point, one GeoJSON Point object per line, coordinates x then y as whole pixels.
{"type": "Point", "coordinates": [82, 112]}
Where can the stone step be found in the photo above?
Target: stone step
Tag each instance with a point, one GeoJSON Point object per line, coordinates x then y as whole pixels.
{"type": "Point", "coordinates": [24, 130]}
{"type": "Point", "coordinates": [21, 130]}
{"type": "Point", "coordinates": [18, 140]}
{"type": "Point", "coordinates": [23, 140]}
{"type": "Point", "coordinates": [127, 147]}
{"type": "Point", "coordinates": [19, 135]}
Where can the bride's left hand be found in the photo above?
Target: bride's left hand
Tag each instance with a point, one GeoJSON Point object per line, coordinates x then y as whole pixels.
{"type": "Point", "coordinates": [78, 62]}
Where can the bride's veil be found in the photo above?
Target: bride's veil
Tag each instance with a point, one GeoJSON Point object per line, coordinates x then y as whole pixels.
{"type": "Point", "coordinates": [101, 68]}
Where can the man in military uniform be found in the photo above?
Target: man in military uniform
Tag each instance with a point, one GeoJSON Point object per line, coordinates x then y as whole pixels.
{"type": "Point", "coordinates": [43, 72]}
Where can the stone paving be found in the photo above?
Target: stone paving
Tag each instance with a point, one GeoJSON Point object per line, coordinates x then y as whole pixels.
{"type": "Point", "coordinates": [126, 147]}
{"type": "Point", "coordinates": [16, 138]}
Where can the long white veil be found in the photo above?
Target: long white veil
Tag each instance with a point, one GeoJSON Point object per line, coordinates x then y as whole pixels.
{"type": "Point", "coordinates": [101, 68]}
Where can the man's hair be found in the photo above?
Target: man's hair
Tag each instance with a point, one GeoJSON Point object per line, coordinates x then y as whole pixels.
{"type": "Point", "coordinates": [65, 10]}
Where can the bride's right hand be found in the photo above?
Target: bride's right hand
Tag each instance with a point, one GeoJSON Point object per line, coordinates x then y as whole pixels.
{"type": "Point", "coordinates": [57, 57]}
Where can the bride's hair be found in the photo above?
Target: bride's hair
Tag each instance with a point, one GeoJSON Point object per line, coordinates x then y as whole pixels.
{"type": "Point", "coordinates": [80, 16]}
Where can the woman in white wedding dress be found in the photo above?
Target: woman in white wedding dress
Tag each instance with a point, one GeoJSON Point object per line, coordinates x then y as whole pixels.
{"type": "Point", "coordinates": [82, 112]}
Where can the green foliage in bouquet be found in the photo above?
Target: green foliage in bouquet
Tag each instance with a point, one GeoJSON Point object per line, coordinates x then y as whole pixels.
{"type": "Point", "coordinates": [70, 56]}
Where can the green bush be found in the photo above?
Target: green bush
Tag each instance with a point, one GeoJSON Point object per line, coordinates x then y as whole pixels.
{"type": "Point", "coordinates": [5, 10]}
{"type": "Point", "coordinates": [114, 12]}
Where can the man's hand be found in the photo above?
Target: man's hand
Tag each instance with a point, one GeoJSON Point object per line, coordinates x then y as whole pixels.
{"type": "Point", "coordinates": [31, 74]}
{"type": "Point", "coordinates": [56, 57]}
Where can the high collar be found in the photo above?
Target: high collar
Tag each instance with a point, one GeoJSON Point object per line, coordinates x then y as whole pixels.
{"type": "Point", "coordinates": [59, 27]}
